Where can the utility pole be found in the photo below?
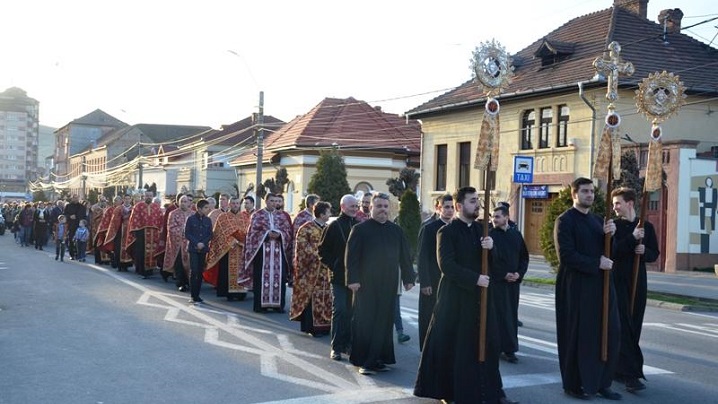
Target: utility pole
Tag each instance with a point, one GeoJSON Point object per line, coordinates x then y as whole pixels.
{"type": "Point", "coordinates": [259, 130]}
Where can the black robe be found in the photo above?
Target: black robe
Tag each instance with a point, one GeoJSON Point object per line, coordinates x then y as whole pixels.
{"type": "Point", "coordinates": [508, 255]}
{"type": "Point", "coordinates": [579, 241]}
{"type": "Point", "coordinates": [429, 274]}
{"type": "Point", "coordinates": [630, 362]}
{"type": "Point", "coordinates": [374, 255]}
{"type": "Point", "coordinates": [449, 367]}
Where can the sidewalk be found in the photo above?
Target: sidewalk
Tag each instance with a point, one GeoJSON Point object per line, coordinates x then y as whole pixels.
{"type": "Point", "coordinates": [693, 284]}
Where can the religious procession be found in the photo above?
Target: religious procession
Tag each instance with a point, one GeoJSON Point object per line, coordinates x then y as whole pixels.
{"type": "Point", "coordinates": [341, 278]}
{"type": "Point", "coordinates": [347, 273]}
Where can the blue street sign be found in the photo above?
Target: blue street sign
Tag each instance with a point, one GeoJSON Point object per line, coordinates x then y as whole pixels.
{"type": "Point", "coordinates": [534, 191]}
{"type": "Point", "coordinates": [523, 169]}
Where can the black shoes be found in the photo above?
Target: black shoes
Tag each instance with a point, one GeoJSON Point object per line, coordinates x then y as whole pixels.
{"type": "Point", "coordinates": [381, 368]}
{"type": "Point", "coordinates": [196, 301]}
{"type": "Point", "coordinates": [520, 323]}
{"type": "Point", "coordinates": [609, 394]}
{"type": "Point", "coordinates": [505, 400]}
{"type": "Point", "coordinates": [510, 357]}
{"type": "Point", "coordinates": [165, 275]}
{"type": "Point", "coordinates": [580, 394]}
{"type": "Point", "coordinates": [337, 356]}
{"type": "Point", "coordinates": [183, 288]}
{"type": "Point", "coordinates": [633, 385]}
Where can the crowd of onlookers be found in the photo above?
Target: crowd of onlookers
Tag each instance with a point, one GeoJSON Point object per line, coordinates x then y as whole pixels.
{"type": "Point", "coordinates": [32, 222]}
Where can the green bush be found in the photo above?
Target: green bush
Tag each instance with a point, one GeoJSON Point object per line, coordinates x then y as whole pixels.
{"type": "Point", "coordinates": [330, 179]}
{"type": "Point", "coordinates": [558, 205]}
{"type": "Point", "coordinates": [410, 219]}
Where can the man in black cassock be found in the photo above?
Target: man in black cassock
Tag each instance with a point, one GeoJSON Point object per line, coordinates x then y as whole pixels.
{"type": "Point", "coordinates": [376, 250]}
{"type": "Point", "coordinates": [579, 241]}
{"type": "Point", "coordinates": [332, 250]}
{"type": "Point", "coordinates": [428, 263]}
{"type": "Point", "coordinates": [627, 245]}
{"type": "Point", "coordinates": [449, 367]}
{"type": "Point", "coordinates": [509, 263]}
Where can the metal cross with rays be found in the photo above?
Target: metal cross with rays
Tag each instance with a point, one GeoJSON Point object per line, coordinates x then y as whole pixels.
{"type": "Point", "coordinates": [612, 67]}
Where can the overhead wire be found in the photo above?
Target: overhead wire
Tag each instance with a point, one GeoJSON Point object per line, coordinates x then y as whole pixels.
{"type": "Point", "coordinates": [233, 151]}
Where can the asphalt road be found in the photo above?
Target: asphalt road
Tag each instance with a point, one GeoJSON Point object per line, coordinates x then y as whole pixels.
{"type": "Point", "coordinates": [78, 333]}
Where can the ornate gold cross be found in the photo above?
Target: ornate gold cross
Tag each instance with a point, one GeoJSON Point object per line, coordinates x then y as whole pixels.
{"type": "Point", "coordinates": [611, 68]}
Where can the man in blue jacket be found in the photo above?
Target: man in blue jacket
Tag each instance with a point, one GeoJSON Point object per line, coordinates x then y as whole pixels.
{"type": "Point", "coordinates": [198, 231]}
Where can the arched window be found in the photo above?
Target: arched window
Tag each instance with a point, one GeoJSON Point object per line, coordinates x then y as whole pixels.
{"type": "Point", "coordinates": [364, 187]}
{"type": "Point", "coordinates": [545, 130]}
{"type": "Point", "coordinates": [527, 126]}
{"type": "Point", "coordinates": [562, 135]}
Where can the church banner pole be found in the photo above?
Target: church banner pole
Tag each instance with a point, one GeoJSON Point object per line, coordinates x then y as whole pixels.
{"type": "Point", "coordinates": [659, 96]}
{"type": "Point", "coordinates": [492, 68]}
{"type": "Point", "coordinates": [608, 163]}
{"type": "Point", "coordinates": [484, 267]}
{"type": "Point", "coordinates": [606, 274]}
{"type": "Point", "coordinates": [637, 257]}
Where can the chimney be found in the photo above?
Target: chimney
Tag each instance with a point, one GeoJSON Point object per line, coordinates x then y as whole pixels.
{"type": "Point", "coordinates": [637, 7]}
{"type": "Point", "coordinates": [671, 19]}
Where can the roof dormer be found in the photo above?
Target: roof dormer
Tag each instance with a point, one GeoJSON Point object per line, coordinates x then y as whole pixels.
{"type": "Point", "coordinates": [551, 52]}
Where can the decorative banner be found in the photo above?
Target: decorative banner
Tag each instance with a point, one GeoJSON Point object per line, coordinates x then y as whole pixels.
{"type": "Point", "coordinates": [492, 68]}
{"type": "Point", "coordinates": [487, 151]}
{"type": "Point", "coordinates": [605, 148]}
{"type": "Point", "coordinates": [654, 167]}
{"type": "Point", "coordinates": [611, 68]}
{"type": "Point", "coordinates": [659, 96]}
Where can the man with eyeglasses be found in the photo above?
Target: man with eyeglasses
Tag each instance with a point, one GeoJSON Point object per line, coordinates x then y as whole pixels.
{"type": "Point", "coordinates": [331, 251]}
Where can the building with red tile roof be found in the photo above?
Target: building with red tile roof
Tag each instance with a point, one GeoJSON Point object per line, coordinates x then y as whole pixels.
{"type": "Point", "coordinates": [375, 145]}
{"type": "Point", "coordinates": [553, 111]}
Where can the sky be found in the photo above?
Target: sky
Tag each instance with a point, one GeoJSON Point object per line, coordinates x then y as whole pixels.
{"type": "Point", "coordinates": [205, 62]}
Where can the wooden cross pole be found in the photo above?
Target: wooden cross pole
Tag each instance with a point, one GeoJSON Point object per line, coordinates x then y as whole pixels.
{"type": "Point", "coordinates": [492, 69]}
{"type": "Point", "coordinates": [484, 267]}
{"type": "Point", "coordinates": [637, 257]}
{"type": "Point", "coordinates": [611, 67]}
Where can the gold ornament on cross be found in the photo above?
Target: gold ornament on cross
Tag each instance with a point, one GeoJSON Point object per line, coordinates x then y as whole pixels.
{"type": "Point", "coordinates": [611, 68]}
{"type": "Point", "coordinates": [659, 96]}
{"type": "Point", "coordinates": [492, 69]}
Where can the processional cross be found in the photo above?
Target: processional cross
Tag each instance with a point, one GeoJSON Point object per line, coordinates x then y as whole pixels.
{"type": "Point", "coordinates": [611, 68]}
{"type": "Point", "coordinates": [608, 162]}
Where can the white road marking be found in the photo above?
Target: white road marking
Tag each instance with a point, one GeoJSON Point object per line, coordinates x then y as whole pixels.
{"type": "Point", "coordinates": [544, 301]}
{"type": "Point", "coordinates": [268, 352]}
{"type": "Point", "coordinates": [684, 330]}
{"type": "Point", "coordinates": [352, 397]}
{"type": "Point", "coordinates": [358, 388]}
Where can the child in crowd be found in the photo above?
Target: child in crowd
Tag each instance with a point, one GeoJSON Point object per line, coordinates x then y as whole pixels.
{"type": "Point", "coordinates": [82, 234]}
{"type": "Point", "coordinates": [60, 232]}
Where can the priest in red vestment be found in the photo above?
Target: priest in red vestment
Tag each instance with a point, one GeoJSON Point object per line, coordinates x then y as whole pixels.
{"type": "Point", "coordinates": [163, 234]}
{"type": "Point", "coordinates": [226, 252]}
{"type": "Point", "coordinates": [101, 216]}
{"type": "Point", "coordinates": [143, 238]}
{"type": "Point", "coordinates": [311, 294]}
{"type": "Point", "coordinates": [176, 255]}
{"type": "Point", "coordinates": [101, 235]}
{"type": "Point", "coordinates": [265, 256]}
{"type": "Point", "coordinates": [223, 207]}
{"type": "Point", "coordinates": [306, 215]}
{"type": "Point", "coordinates": [117, 234]}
